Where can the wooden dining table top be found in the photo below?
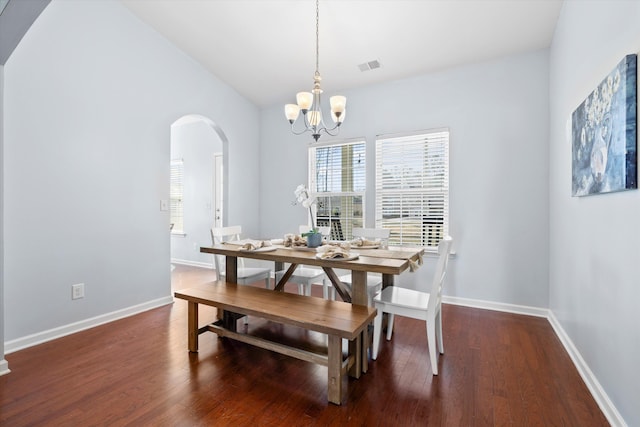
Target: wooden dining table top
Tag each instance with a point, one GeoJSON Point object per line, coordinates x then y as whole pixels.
{"type": "Point", "coordinates": [386, 261]}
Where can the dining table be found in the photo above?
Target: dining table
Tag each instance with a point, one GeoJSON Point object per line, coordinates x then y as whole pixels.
{"type": "Point", "coordinates": [390, 262]}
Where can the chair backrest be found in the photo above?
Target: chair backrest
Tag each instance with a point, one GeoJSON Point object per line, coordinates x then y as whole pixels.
{"type": "Point", "coordinates": [435, 299]}
{"type": "Point", "coordinates": [371, 233]}
{"type": "Point", "coordinates": [224, 234]}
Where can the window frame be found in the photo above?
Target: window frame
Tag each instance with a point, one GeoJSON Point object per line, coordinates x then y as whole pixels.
{"type": "Point", "coordinates": [342, 229]}
{"type": "Point", "coordinates": [433, 226]}
{"type": "Point", "coordinates": [176, 197]}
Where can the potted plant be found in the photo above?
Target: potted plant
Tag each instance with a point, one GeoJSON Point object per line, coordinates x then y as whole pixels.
{"type": "Point", "coordinates": [314, 239]}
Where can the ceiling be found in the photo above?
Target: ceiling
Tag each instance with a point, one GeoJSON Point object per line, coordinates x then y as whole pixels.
{"type": "Point", "coordinates": [265, 49]}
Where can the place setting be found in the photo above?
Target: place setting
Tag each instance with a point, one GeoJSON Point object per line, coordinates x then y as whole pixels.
{"type": "Point", "coordinates": [251, 245]}
{"type": "Point", "coordinates": [338, 253]}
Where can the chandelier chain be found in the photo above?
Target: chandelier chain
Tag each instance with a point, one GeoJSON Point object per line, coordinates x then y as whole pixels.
{"type": "Point", "coordinates": [317, 37]}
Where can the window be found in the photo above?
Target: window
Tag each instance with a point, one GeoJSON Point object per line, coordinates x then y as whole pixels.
{"type": "Point", "coordinates": [176, 191]}
{"type": "Point", "coordinates": [412, 187]}
{"type": "Point", "coordinates": [337, 179]}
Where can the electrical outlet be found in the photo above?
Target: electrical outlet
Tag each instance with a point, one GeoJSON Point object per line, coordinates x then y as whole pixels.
{"type": "Point", "coordinates": [77, 291]}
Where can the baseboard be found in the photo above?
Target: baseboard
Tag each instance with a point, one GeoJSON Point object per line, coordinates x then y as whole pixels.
{"type": "Point", "coordinates": [497, 306]}
{"type": "Point", "coordinates": [191, 263]}
{"type": "Point", "coordinates": [598, 393]}
{"type": "Point", "coordinates": [72, 328]}
{"type": "Point", "coordinates": [4, 367]}
{"type": "Point", "coordinates": [602, 399]}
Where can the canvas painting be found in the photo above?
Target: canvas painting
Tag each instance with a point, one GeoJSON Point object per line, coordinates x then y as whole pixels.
{"type": "Point", "coordinates": [603, 131]}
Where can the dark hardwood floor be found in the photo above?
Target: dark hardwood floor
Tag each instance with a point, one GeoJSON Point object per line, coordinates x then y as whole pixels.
{"type": "Point", "coordinates": [498, 369]}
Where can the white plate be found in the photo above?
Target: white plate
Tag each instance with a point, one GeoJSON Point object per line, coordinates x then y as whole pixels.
{"type": "Point", "coordinates": [351, 257]}
{"type": "Point", "coordinates": [262, 249]}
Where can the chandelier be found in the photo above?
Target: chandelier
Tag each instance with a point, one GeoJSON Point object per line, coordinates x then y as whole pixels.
{"type": "Point", "coordinates": [309, 103]}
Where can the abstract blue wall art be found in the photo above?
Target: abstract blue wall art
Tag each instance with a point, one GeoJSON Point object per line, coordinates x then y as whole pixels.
{"type": "Point", "coordinates": [603, 134]}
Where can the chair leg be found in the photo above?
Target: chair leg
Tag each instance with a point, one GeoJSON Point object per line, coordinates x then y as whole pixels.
{"type": "Point", "coordinates": [439, 332]}
{"type": "Point", "coordinates": [300, 289]}
{"type": "Point", "coordinates": [431, 343]}
{"type": "Point", "coordinates": [328, 291]}
{"type": "Point", "coordinates": [377, 331]}
{"type": "Point", "coordinates": [390, 317]}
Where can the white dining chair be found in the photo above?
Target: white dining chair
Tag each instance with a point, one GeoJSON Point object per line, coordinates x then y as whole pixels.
{"type": "Point", "coordinates": [417, 305]}
{"type": "Point", "coordinates": [374, 280]}
{"type": "Point", "coordinates": [246, 275]}
{"type": "Point", "coordinates": [305, 277]}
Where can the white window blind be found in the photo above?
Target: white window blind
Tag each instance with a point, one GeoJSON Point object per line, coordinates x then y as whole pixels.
{"type": "Point", "coordinates": [412, 187]}
{"type": "Point", "coordinates": [176, 193]}
{"type": "Point", "coordinates": [337, 179]}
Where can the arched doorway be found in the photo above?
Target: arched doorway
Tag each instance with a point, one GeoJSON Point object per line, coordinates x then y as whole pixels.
{"type": "Point", "coordinates": [198, 186]}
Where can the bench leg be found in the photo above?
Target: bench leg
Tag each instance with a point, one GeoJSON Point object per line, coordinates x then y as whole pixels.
{"type": "Point", "coordinates": [334, 382]}
{"type": "Point", "coordinates": [355, 349]}
{"type": "Point", "coordinates": [192, 324]}
{"type": "Point", "coordinates": [365, 349]}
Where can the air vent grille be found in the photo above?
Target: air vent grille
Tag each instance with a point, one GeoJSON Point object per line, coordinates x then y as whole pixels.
{"type": "Point", "coordinates": [371, 65]}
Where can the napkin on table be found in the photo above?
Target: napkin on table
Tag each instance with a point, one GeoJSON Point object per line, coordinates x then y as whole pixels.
{"type": "Point", "coordinates": [251, 245]}
{"type": "Point", "coordinates": [326, 252]}
{"type": "Point", "coordinates": [414, 265]}
{"type": "Point", "coordinates": [256, 244]}
{"type": "Point", "coordinates": [361, 241]}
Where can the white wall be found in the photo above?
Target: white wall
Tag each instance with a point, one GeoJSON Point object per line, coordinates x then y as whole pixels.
{"type": "Point", "coordinates": [195, 143]}
{"type": "Point", "coordinates": [90, 94]}
{"type": "Point", "coordinates": [594, 252]}
{"type": "Point", "coordinates": [497, 113]}
{"type": "Point", "coordinates": [3, 363]}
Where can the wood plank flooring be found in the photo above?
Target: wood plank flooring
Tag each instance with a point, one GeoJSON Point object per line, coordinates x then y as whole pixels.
{"type": "Point", "coordinates": [498, 369]}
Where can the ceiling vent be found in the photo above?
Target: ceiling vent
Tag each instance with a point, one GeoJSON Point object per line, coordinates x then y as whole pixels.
{"type": "Point", "coordinates": [371, 65]}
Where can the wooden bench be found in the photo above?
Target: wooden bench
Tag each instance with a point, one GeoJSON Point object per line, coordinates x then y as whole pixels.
{"type": "Point", "coordinates": [337, 319]}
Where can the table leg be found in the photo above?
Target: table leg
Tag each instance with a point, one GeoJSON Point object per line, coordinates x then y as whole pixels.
{"type": "Point", "coordinates": [231, 272]}
{"type": "Point", "coordinates": [359, 288]}
{"type": "Point", "coordinates": [337, 284]}
{"type": "Point", "coordinates": [387, 280]}
{"type": "Point", "coordinates": [334, 381]}
{"type": "Point", "coordinates": [355, 349]}
{"type": "Point", "coordinates": [192, 325]}
{"type": "Point", "coordinates": [365, 347]}
{"type": "Point", "coordinates": [285, 278]}
{"type": "Point", "coordinates": [360, 295]}
{"type": "Point", "coordinates": [231, 276]}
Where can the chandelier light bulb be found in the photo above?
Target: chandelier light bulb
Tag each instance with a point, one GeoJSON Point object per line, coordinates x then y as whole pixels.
{"type": "Point", "coordinates": [304, 99]}
{"type": "Point", "coordinates": [315, 117]}
{"type": "Point", "coordinates": [292, 111]}
{"type": "Point", "coordinates": [338, 104]}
